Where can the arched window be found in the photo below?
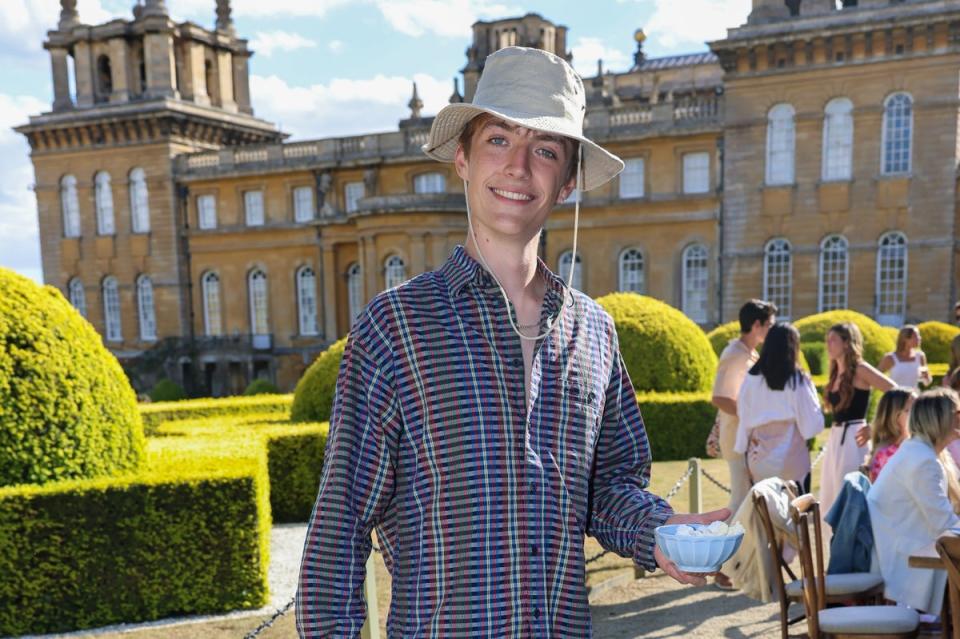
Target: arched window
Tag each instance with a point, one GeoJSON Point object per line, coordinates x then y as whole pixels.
{"type": "Point", "coordinates": [838, 140]}
{"type": "Point", "coordinates": [103, 197]}
{"type": "Point", "coordinates": [104, 79]}
{"type": "Point", "coordinates": [111, 310]}
{"type": "Point", "coordinates": [695, 278]}
{"type": "Point", "coordinates": [394, 271]}
{"type": "Point", "coordinates": [631, 271]}
{"type": "Point", "coordinates": [892, 279]}
{"type": "Point", "coordinates": [897, 133]}
{"type": "Point", "coordinates": [69, 206]}
{"type": "Point", "coordinates": [257, 292]}
{"type": "Point", "coordinates": [145, 309]}
{"type": "Point", "coordinates": [563, 269]}
{"type": "Point", "coordinates": [307, 300]}
{"type": "Point", "coordinates": [139, 206]}
{"type": "Point", "coordinates": [212, 323]}
{"type": "Point", "coordinates": [77, 297]}
{"type": "Point", "coordinates": [430, 183]}
{"type": "Point", "coordinates": [354, 292]}
{"type": "Point", "coordinates": [833, 273]}
{"type": "Point", "coordinates": [780, 144]}
{"type": "Point", "coordinates": [778, 275]}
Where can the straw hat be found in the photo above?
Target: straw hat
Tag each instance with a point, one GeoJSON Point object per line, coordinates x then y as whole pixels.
{"type": "Point", "coordinates": [533, 89]}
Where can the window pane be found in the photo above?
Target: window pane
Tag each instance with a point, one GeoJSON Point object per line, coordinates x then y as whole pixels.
{"type": "Point", "coordinates": [780, 145]}
{"type": "Point", "coordinates": [777, 276]}
{"type": "Point", "coordinates": [307, 300]}
{"type": "Point", "coordinates": [145, 307]}
{"type": "Point", "coordinates": [833, 274]}
{"type": "Point", "coordinates": [354, 292]}
{"type": "Point", "coordinates": [430, 183]}
{"type": "Point", "coordinates": [139, 202]}
{"type": "Point", "coordinates": [631, 271]}
{"type": "Point", "coordinates": [897, 133]}
{"type": "Point", "coordinates": [631, 179]}
{"type": "Point", "coordinates": [563, 269]}
{"type": "Point", "coordinates": [253, 205]}
{"type": "Point", "coordinates": [103, 196]}
{"type": "Point", "coordinates": [111, 310]}
{"type": "Point", "coordinates": [77, 296]}
{"type": "Point", "coordinates": [70, 207]}
{"type": "Point", "coordinates": [696, 273]}
{"type": "Point", "coordinates": [838, 140]}
{"type": "Point", "coordinates": [211, 304]}
{"type": "Point", "coordinates": [395, 272]}
{"type": "Point", "coordinates": [352, 192]}
{"type": "Point", "coordinates": [207, 211]}
{"type": "Point", "coordinates": [892, 279]}
{"type": "Point", "coordinates": [303, 209]}
{"type": "Point", "coordinates": [258, 303]}
{"type": "Point", "coordinates": [696, 172]}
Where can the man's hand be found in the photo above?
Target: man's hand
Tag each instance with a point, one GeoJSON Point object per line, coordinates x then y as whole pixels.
{"type": "Point", "coordinates": [863, 435]}
{"type": "Point", "coordinates": [671, 568]}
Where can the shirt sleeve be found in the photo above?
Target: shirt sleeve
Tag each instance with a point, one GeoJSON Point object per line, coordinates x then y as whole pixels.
{"type": "Point", "coordinates": [624, 513]}
{"type": "Point", "coordinates": [746, 407]}
{"type": "Point", "coordinates": [929, 488]}
{"type": "Point", "coordinates": [809, 413]}
{"type": "Point", "coordinates": [727, 382]}
{"type": "Point", "coordinates": [356, 485]}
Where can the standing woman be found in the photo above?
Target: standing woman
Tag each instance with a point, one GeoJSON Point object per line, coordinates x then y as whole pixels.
{"type": "Point", "coordinates": [779, 411]}
{"type": "Point", "coordinates": [846, 395]}
{"type": "Point", "coordinates": [907, 366]}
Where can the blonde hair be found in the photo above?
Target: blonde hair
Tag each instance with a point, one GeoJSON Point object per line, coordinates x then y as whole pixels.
{"type": "Point", "coordinates": [908, 331]}
{"type": "Point", "coordinates": [931, 418]}
{"type": "Point", "coordinates": [885, 429]}
{"type": "Point", "coordinates": [852, 339]}
{"type": "Point", "coordinates": [952, 475]}
{"type": "Point", "coordinates": [953, 379]}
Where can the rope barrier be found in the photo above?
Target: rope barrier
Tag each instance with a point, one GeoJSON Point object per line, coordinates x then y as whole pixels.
{"type": "Point", "coordinates": [269, 622]}
{"type": "Point", "coordinates": [716, 482]}
{"type": "Point", "coordinates": [680, 482]}
{"type": "Point", "coordinates": [817, 459]}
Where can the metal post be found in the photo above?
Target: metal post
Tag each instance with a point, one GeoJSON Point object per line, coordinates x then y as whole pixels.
{"type": "Point", "coordinates": [696, 494]}
{"type": "Point", "coordinates": [371, 627]}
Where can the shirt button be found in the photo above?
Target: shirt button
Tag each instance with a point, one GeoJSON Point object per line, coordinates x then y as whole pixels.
{"type": "Point", "coordinates": [534, 550]}
{"type": "Point", "coordinates": [533, 487]}
{"type": "Point", "coordinates": [516, 362]}
{"type": "Point", "coordinates": [536, 613]}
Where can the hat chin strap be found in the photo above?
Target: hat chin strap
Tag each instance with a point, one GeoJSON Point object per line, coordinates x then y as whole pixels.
{"type": "Point", "coordinates": [573, 261]}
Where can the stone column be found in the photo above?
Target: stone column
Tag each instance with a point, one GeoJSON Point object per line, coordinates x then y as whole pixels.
{"type": "Point", "coordinates": [84, 70]}
{"type": "Point", "coordinates": [241, 83]}
{"type": "Point", "coordinates": [161, 65]}
{"type": "Point", "coordinates": [119, 71]}
{"type": "Point", "coordinates": [61, 79]}
{"type": "Point", "coordinates": [371, 268]}
{"type": "Point", "coordinates": [195, 75]}
{"type": "Point", "coordinates": [417, 254]}
{"type": "Point", "coordinates": [329, 290]}
{"type": "Point", "coordinates": [225, 79]}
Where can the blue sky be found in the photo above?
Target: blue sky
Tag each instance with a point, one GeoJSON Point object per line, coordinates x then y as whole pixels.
{"type": "Point", "coordinates": [330, 67]}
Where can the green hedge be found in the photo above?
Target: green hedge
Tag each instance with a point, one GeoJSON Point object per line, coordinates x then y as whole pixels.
{"type": "Point", "coordinates": [936, 339]}
{"type": "Point", "coordinates": [156, 414]}
{"type": "Point", "coordinates": [721, 336]}
{"type": "Point", "coordinates": [313, 397]}
{"type": "Point", "coordinates": [167, 390]}
{"type": "Point", "coordinates": [261, 387]}
{"type": "Point", "coordinates": [876, 340]}
{"type": "Point", "coordinates": [189, 536]}
{"type": "Point", "coordinates": [677, 423]}
{"type": "Point", "coordinates": [815, 354]}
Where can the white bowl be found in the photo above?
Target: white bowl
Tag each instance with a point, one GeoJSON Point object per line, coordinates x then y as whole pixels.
{"type": "Point", "coordinates": [696, 554]}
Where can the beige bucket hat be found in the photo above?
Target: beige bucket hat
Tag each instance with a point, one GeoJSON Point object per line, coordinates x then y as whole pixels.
{"type": "Point", "coordinates": [530, 88]}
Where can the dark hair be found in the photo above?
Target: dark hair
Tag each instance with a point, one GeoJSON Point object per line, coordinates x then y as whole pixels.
{"type": "Point", "coordinates": [778, 357]}
{"type": "Point", "coordinates": [756, 310]}
{"type": "Point", "coordinates": [466, 138]}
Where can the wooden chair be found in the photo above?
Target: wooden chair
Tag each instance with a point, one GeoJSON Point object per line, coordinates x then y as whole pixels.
{"type": "Point", "coordinates": [858, 587]}
{"type": "Point", "coordinates": [863, 622]}
{"type": "Point", "coordinates": [948, 547]}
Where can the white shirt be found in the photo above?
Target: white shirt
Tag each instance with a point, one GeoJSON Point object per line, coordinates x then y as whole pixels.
{"type": "Point", "coordinates": [909, 509]}
{"type": "Point", "coordinates": [758, 405]}
{"type": "Point", "coordinates": [905, 373]}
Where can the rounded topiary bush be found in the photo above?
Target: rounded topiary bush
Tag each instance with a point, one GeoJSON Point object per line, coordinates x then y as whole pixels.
{"type": "Point", "coordinates": [662, 348]}
{"type": "Point", "coordinates": [313, 398]}
{"type": "Point", "coordinates": [936, 338]}
{"type": "Point", "coordinates": [261, 386]}
{"type": "Point", "coordinates": [67, 410]}
{"type": "Point", "coordinates": [167, 390]}
{"type": "Point", "coordinates": [721, 335]}
{"type": "Point", "coordinates": [876, 341]}
{"type": "Point", "coordinates": [893, 332]}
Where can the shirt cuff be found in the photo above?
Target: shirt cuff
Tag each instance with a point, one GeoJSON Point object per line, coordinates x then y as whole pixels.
{"type": "Point", "coordinates": [643, 548]}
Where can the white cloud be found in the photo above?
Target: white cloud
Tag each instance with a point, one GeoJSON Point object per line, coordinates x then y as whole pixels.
{"type": "Point", "coordinates": [691, 23]}
{"type": "Point", "coordinates": [587, 51]}
{"type": "Point", "coordinates": [335, 46]}
{"type": "Point", "coordinates": [344, 107]}
{"type": "Point", "coordinates": [19, 237]}
{"type": "Point", "coordinates": [449, 18]}
{"type": "Point", "coordinates": [258, 8]}
{"type": "Point", "coordinates": [24, 23]}
{"type": "Point", "coordinates": [266, 42]}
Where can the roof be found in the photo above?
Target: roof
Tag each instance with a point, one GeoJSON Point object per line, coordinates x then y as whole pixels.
{"type": "Point", "coordinates": [690, 59]}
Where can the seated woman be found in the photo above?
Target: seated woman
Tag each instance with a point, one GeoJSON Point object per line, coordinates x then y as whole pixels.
{"type": "Point", "coordinates": [779, 410]}
{"type": "Point", "coordinates": [908, 504]}
{"type": "Point", "coordinates": [889, 428]}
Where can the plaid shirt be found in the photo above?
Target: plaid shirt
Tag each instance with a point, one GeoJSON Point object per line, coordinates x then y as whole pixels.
{"type": "Point", "coordinates": [480, 499]}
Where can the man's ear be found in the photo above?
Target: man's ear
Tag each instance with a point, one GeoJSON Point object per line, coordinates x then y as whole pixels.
{"type": "Point", "coordinates": [460, 162]}
{"type": "Point", "coordinates": [566, 190]}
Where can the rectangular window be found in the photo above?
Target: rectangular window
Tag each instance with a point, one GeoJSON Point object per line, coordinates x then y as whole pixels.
{"type": "Point", "coordinates": [631, 179]}
{"type": "Point", "coordinates": [303, 208]}
{"type": "Point", "coordinates": [430, 183]}
{"type": "Point", "coordinates": [696, 172]}
{"type": "Point", "coordinates": [207, 211]}
{"type": "Point", "coordinates": [253, 207]}
{"type": "Point", "coordinates": [352, 192]}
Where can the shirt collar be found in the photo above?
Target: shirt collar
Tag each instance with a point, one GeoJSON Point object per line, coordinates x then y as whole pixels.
{"type": "Point", "coordinates": [460, 269]}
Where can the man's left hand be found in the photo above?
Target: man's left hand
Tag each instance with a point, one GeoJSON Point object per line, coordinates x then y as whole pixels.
{"type": "Point", "coordinates": [668, 566]}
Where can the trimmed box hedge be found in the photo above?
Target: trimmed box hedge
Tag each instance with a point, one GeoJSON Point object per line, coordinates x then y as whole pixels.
{"type": "Point", "coordinates": [156, 414]}
{"type": "Point", "coordinates": [189, 536]}
{"type": "Point", "coordinates": [677, 423]}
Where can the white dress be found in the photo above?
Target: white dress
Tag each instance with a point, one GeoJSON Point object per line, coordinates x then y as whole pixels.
{"type": "Point", "coordinates": [909, 509]}
{"type": "Point", "coordinates": [905, 373]}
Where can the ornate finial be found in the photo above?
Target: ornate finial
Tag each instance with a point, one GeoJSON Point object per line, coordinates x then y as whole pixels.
{"type": "Point", "coordinates": [600, 66]}
{"type": "Point", "coordinates": [224, 21]}
{"type": "Point", "coordinates": [639, 56]}
{"type": "Point", "coordinates": [155, 8]}
{"type": "Point", "coordinates": [455, 96]}
{"type": "Point", "coordinates": [68, 14]}
{"type": "Point", "coordinates": [415, 104]}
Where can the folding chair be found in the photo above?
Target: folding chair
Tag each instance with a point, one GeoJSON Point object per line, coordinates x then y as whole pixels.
{"type": "Point", "coordinates": [948, 547]}
{"type": "Point", "coordinates": [863, 622]}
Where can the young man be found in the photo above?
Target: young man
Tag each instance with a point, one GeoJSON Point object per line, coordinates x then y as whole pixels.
{"type": "Point", "coordinates": [483, 420]}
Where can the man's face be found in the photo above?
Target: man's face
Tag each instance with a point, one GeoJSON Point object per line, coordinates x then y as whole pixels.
{"type": "Point", "coordinates": [515, 177]}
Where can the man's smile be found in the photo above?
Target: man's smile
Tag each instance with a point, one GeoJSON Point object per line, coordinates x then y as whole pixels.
{"type": "Point", "coordinates": [512, 195]}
